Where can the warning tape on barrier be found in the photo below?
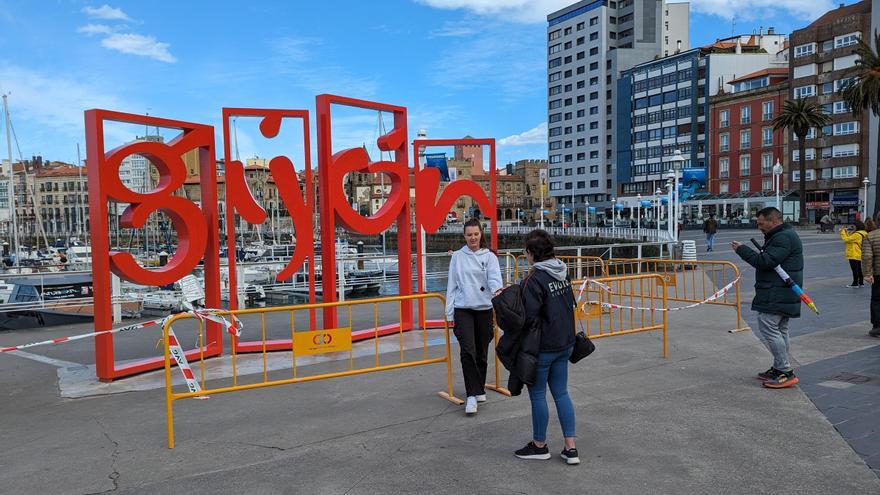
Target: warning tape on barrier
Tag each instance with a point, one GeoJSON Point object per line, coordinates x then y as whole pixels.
{"type": "Point", "coordinates": [232, 327]}
{"type": "Point", "coordinates": [717, 295]}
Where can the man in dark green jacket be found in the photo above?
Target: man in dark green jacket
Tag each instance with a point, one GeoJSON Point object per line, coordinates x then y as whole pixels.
{"type": "Point", "coordinates": [774, 301]}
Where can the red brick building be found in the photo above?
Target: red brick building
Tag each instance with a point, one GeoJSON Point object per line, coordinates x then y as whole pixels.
{"type": "Point", "coordinates": [745, 146]}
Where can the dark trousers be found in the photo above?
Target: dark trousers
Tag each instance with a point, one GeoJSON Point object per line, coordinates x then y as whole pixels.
{"type": "Point", "coordinates": [473, 329]}
{"type": "Point", "coordinates": [856, 267]}
{"type": "Point", "coordinates": [875, 304]}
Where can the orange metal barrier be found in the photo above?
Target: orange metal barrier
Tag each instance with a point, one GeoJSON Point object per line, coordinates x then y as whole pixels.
{"type": "Point", "coordinates": [688, 281]}
{"type": "Point", "coordinates": [303, 343]}
{"type": "Point", "coordinates": [579, 267]}
{"type": "Point", "coordinates": [624, 305]}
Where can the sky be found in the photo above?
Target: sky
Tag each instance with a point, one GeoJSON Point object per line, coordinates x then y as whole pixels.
{"type": "Point", "coordinates": [461, 67]}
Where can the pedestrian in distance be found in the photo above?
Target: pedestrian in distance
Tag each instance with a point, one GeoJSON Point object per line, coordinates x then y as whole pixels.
{"type": "Point", "coordinates": [474, 277]}
{"type": "Point", "coordinates": [774, 301]}
{"type": "Point", "coordinates": [710, 228]}
{"type": "Point", "coordinates": [871, 267]}
{"type": "Point", "coordinates": [549, 304]}
{"type": "Point", "coordinates": [825, 223]}
{"type": "Point", "coordinates": [853, 237]}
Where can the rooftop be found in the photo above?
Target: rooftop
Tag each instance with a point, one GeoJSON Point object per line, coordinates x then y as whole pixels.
{"type": "Point", "coordinates": [772, 71]}
{"type": "Point", "coordinates": [863, 7]}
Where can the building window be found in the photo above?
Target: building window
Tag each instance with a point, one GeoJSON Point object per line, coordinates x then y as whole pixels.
{"type": "Point", "coordinates": [847, 172]}
{"type": "Point", "coordinates": [722, 186]}
{"type": "Point", "coordinates": [846, 40]}
{"type": "Point", "coordinates": [805, 91]}
{"type": "Point", "coordinates": [845, 128]}
{"type": "Point", "coordinates": [555, 48]}
{"type": "Point", "coordinates": [767, 185]}
{"type": "Point", "coordinates": [745, 165]}
{"type": "Point", "coordinates": [767, 110]}
{"type": "Point", "coordinates": [842, 150]}
{"type": "Point", "coordinates": [580, 26]}
{"type": "Point", "coordinates": [745, 139]}
{"type": "Point", "coordinates": [594, 36]}
{"type": "Point", "coordinates": [724, 142]}
{"type": "Point", "coordinates": [842, 107]}
{"type": "Point", "coordinates": [796, 175]}
{"type": "Point", "coordinates": [724, 117]}
{"type": "Point", "coordinates": [744, 186]}
{"type": "Point", "coordinates": [766, 163]}
{"type": "Point", "coordinates": [594, 21]}
{"type": "Point", "coordinates": [554, 35]}
{"type": "Point", "coordinates": [810, 152]}
{"type": "Point", "coordinates": [827, 88]}
{"type": "Point", "coordinates": [804, 50]}
{"type": "Point", "coordinates": [745, 115]}
{"type": "Point", "coordinates": [767, 136]}
{"type": "Point", "coordinates": [723, 167]}
{"type": "Point", "coordinates": [843, 83]}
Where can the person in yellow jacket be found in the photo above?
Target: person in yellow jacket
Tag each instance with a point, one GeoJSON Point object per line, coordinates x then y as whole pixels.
{"type": "Point", "coordinates": [853, 238]}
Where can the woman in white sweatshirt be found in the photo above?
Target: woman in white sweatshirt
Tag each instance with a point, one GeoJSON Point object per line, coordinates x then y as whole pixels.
{"type": "Point", "coordinates": [474, 277]}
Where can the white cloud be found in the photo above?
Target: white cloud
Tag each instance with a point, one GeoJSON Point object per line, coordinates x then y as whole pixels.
{"type": "Point", "coordinates": [296, 57]}
{"type": "Point", "coordinates": [106, 12]}
{"type": "Point", "coordinates": [48, 108]}
{"type": "Point", "coordinates": [91, 29]}
{"type": "Point", "coordinates": [755, 9]}
{"type": "Point", "coordinates": [535, 11]}
{"type": "Point", "coordinates": [136, 44]}
{"type": "Point", "coordinates": [467, 27]}
{"type": "Point", "coordinates": [528, 11]}
{"type": "Point", "coordinates": [536, 135]}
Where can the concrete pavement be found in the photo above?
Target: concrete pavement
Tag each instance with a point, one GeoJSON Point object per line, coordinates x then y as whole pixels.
{"type": "Point", "coordinates": [695, 423]}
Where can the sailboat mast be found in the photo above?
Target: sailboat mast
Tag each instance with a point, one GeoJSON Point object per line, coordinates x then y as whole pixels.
{"type": "Point", "coordinates": [11, 182]}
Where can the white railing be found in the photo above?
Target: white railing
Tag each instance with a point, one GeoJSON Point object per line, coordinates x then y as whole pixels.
{"type": "Point", "coordinates": [643, 234]}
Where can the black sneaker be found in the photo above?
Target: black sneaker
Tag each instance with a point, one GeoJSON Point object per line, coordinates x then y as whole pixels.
{"type": "Point", "coordinates": [768, 375]}
{"type": "Point", "coordinates": [570, 456]}
{"type": "Point", "coordinates": [874, 332]}
{"type": "Point", "coordinates": [784, 380]}
{"type": "Point", "coordinates": [532, 451]}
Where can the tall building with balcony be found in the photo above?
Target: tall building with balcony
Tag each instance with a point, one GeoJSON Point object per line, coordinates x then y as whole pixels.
{"type": "Point", "coordinates": [747, 147]}
{"type": "Point", "coordinates": [822, 58]}
{"type": "Point", "coordinates": [663, 107]}
{"type": "Point", "coordinates": [589, 44]}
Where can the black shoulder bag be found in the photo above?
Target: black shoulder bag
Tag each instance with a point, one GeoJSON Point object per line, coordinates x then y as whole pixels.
{"type": "Point", "coordinates": [583, 346]}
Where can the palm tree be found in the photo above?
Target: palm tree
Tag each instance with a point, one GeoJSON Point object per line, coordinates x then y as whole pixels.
{"type": "Point", "coordinates": [799, 116]}
{"type": "Point", "coordinates": [863, 91]}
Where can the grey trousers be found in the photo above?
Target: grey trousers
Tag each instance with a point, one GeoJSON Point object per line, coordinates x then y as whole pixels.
{"type": "Point", "coordinates": [773, 332]}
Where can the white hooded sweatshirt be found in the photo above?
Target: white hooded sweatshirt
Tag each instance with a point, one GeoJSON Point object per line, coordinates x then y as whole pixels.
{"type": "Point", "coordinates": [474, 276]}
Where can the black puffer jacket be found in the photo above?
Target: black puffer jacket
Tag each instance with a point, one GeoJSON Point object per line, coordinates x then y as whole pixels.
{"type": "Point", "coordinates": [518, 347]}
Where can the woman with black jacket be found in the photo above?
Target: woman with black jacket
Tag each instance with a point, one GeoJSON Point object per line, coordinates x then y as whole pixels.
{"type": "Point", "coordinates": [549, 303]}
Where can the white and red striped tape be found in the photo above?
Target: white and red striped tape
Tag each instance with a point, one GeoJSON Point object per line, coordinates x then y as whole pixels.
{"type": "Point", "coordinates": [717, 295]}
{"type": "Point", "coordinates": [234, 328]}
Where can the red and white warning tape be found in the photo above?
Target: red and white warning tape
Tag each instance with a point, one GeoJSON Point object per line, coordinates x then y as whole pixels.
{"type": "Point", "coordinates": [233, 328]}
{"type": "Point", "coordinates": [717, 295]}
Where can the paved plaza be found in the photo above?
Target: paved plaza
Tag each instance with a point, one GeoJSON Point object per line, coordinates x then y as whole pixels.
{"type": "Point", "coordinates": [697, 422]}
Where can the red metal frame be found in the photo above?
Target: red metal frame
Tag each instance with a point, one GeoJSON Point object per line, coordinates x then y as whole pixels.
{"type": "Point", "coordinates": [334, 206]}
{"type": "Point", "coordinates": [196, 225]}
{"type": "Point", "coordinates": [300, 205]}
{"type": "Point", "coordinates": [431, 215]}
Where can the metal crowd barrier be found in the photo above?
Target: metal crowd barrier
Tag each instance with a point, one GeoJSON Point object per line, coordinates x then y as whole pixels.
{"type": "Point", "coordinates": [303, 343]}
{"type": "Point", "coordinates": [689, 281]}
{"type": "Point", "coordinates": [579, 267]}
{"type": "Point", "coordinates": [613, 306]}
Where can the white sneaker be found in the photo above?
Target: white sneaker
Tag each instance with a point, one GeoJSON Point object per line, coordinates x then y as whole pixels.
{"type": "Point", "coordinates": [481, 398]}
{"type": "Point", "coordinates": [470, 406]}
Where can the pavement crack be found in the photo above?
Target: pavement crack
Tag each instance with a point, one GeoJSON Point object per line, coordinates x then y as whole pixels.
{"type": "Point", "coordinates": [272, 447]}
{"type": "Point", "coordinates": [114, 475]}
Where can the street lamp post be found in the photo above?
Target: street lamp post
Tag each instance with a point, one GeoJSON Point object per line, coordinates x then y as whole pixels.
{"type": "Point", "coordinates": [777, 182]}
{"type": "Point", "coordinates": [587, 211]}
{"type": "Point", "coordinates": [866, 182]}
{"type": "Point", "coordinates": [562, 220]}
{"type": "Point", "coordinates": [657, 211]}
{"type": "Point", "coordinates": [638, 211]}
{"type": "Point", "coordinates": [677, 161]}
{"type": "Point", "coordinates": [669, 205]}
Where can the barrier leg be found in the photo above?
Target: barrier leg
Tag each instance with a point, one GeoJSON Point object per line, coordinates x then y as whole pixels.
{"type": "Point", "coordinates": [739, 320]}
{"type": "Point", "coordinates": [169, 414]}
{"type": "Point", "coordinates": [449, 395]}
{"type": "Point", "coordinates": [496, 387]}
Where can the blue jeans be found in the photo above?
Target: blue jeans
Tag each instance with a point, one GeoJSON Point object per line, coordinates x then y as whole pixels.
{"type": "Point", "coordinates": [710, 240]}
{"type": "Point", "coordinates": [552, 369]}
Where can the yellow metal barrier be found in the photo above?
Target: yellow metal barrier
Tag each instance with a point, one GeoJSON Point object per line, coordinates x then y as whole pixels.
{"type": "Point", "coordinates": [304, 342]}
{"type": "Point", "coordinates": [688, 281]}
{"type": "Point", "coordinates": [579, 267]}
{"type": "Point", "coordinates": [614, 306]}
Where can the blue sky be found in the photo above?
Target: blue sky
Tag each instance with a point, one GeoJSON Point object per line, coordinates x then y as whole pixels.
{"type": "Point", "coordinates": [460, 66]}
